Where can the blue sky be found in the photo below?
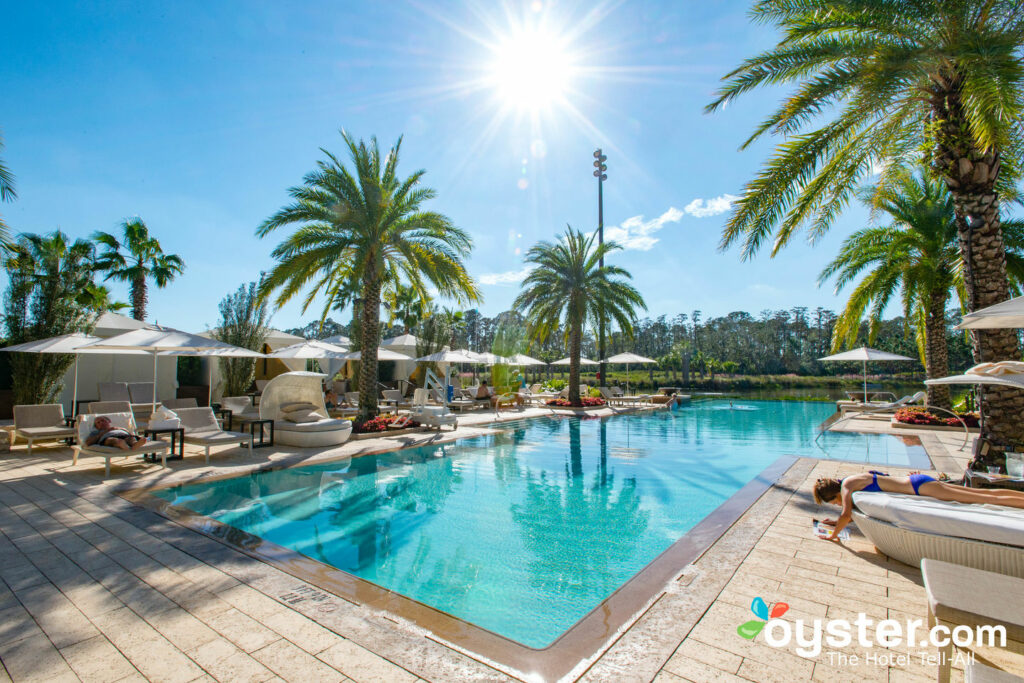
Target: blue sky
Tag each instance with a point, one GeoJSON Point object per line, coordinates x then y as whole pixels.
{"type": "Point", "coordinates": [198, 116]}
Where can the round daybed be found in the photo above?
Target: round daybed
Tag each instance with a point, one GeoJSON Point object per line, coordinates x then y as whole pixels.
{"type": "Point", "coordinates": [295, 402]}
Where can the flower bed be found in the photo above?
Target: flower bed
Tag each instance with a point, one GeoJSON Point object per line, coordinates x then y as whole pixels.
{"type": "Point", "coordinates": [381, 423]}
{"type": "Point", "coordinates": [920, 416]}
{"type": "Point", "coordinates": [585, 402]}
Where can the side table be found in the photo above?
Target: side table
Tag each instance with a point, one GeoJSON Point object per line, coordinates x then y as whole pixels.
{"type": "Point", "coordinates": [177, 439]}
{"type": "Point", "coordinates": [249, 425]}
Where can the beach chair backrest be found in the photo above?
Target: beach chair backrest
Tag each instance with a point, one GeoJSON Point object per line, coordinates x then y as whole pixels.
{"type": "Point", "coordinates": [139, 392]}
{"type": "Point", "coordinates": [85, 424]}
{"type": "Point", "coordinates": [236, 404]}
{"type": "Point", "coordinates": [198, 419]}
{"type": "Point", "coordinates": [39, 415]}
{"type": "Point", "coordinates": [100, 407]}
{"type": "Point", "coordinates": [536, 388]}
{"type": "Point", "coordinates": [392, 394]}
{"type": "Point", "coordinates": [352, 398]}
{"type": "Point", "coordinates": [564, 393]}
{"type": "Point", "coordinates": [176, 403]}
{"type": "Point", "coordinates": [606, 393]}
{"type": "Point", "coordinates": [114, 391]}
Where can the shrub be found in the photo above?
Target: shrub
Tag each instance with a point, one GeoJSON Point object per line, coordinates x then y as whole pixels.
{"type": "Point", "coordinates": [585, 402]}
{"type": "Point", "coordinates": [920, 416]}
{"type": "Point", "coordinates": [243, 322]}
{"type": "Point", "coordinates": [378, 424]}
{"type": "Point", "coordinates": [557, 384]}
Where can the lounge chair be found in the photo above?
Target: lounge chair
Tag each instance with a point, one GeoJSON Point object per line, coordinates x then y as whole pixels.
{"type": "Point", "coordinates": [177, 403]}
{"type": "Point", "coordinates": [42, 422]}
{"type": "Point", "coordinates": [462, 400]}
{"type": "Point", "coordinates": [909, 528]}
{"type": "Point", "coordinates": [240, 407]}
{"type": "Point", "coordinates": [295, 402]}
{"type": "Point", "coordinates": [202, 429]}
{"type": "Point", "coordinates": [102, 407]}
{"type": "Point", "coordinates": [430, 416]}
{"type": "Point", "coordinates": [125, 420]}
{"type": "Point", "coordinates": [886, 407]}
{"type": "Point", "coordinates": [114, 391]}
{"type": "Point", "coordinates": [609, 396]}
{"type": "Point", "coordinates": [393, 397]}
{"type": "Point", "coordinates": [140, 392]}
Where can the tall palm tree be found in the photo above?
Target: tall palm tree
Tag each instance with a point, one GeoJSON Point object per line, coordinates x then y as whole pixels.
{"type": "Point", "coordinates": [873, 83]}
{"type": "Point", "coordinates": [136, 260]}
{"type": "Point", "coordinates": [407, 306]}
{"type": "Point", "coordinates": [365, 224]}
{"type": "Point", "coordinates": [7, 194]}
{"type": "Point", "coordinates": [568, 284]}
{"type": "Point", "coordinates": [917, 256]}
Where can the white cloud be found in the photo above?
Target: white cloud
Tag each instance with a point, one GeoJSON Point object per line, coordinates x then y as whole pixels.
{"type": "Point", "coordinates": [702, 208]}
{"type": "Point", "coordinates": [636, 233]}
{"type": "Point", "coordinates": [509, 277]}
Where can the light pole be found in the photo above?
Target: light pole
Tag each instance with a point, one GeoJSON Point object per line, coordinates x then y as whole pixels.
{"type": "Point", "coordinates": [599, 173]}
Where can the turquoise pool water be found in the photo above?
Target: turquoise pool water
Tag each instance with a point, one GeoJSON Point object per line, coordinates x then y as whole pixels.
{"type": "Point", "coordinates": [525, 531]}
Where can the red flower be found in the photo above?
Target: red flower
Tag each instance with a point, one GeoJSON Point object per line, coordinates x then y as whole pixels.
{"type": "Point", "coordinates": [585, 402]}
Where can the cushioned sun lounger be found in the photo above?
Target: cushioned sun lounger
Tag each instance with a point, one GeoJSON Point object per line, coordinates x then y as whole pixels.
{"type": "Point", "coordinates": [202, 429]}
{"type": "Point", "coordinates": [42, 422]}
{"type": "Point", "coordinates": [909, 528]}
{"type": "Point", "coordinates": [125, 420]}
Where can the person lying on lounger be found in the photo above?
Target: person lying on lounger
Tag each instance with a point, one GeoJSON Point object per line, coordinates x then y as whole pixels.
{"type": "Point", "coordinates": [840, 492]}
{"type": "Point", "coordinates": [105, 434]}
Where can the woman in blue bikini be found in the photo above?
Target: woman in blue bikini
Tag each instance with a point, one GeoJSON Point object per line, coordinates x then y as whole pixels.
{"type": "Point", "coordinates": [840, 492]}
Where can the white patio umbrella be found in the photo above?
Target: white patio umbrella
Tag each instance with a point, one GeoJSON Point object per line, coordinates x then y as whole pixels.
{"type": "Point", "coordinates": [492, 358]}
{"type": "Point", "coordinates": [338, 340]}
{"type": "Point", "coordinates": [65, 343]}
{"type": "Point", "coordinates": [401, 340]}
{"type": "Point", "coordinates": [628, 358]}
{"type": "Point", "coordinates": [447, 357]}
{"type": "Point", "coordinates": [166, 341]}
{"type": "Point", "coordinates": [523, 359]}
{"type": "Point", "coordinates": [1006, 314]}
{"type": "Point", "coordinates": [583, 361]}
{"type": "Point", "coordinates": [864, 354]}
{"type": "Point", "coordinates": [309, 349]}
{"type": "Point", "coordinates": [382, 354]}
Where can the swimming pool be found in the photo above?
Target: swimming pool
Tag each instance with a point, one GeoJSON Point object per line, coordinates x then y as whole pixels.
{"type": "Point", "coordinates": [524, 531]}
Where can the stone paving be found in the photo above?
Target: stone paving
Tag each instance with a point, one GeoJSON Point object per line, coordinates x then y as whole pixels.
{"type": "Point", "coordinates": [94, 588]}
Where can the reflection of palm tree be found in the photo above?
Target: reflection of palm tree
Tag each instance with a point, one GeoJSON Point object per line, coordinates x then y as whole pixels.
{"type": "Point", "coordinates": [556, 518]}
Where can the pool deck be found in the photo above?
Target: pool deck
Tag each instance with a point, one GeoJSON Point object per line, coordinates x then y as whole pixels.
{"type": "Point", "coordinates": [93, 587]}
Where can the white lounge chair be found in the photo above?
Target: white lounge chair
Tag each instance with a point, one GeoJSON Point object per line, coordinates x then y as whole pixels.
{"type": "Point", "coordinates": [177, 403]}
{"type": "Point", "coordinates": [202, 429]}
{"type": "Point", "coordinates": [42, 422]}
{"type": "Point", "coordinates": [910, 528]}
{"type": "Point", "coordinates": [125, 420]}
{"type": "Point", "coordinates": [428, 415]}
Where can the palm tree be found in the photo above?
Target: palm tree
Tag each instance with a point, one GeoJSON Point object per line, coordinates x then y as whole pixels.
{"type": "Point", "coordinates": [7, 194]}
{"type": "Point", "coordinates": [135, 261]}
{"type": "Point", "coordinates": [892, 78]}
{"type": "Point", "coordinates": [366, 224]}
{"type": "Point", "coordinates": [917, 256]}
{"type": "Point", "coordinates": [568, 284]}
{"type": "Point", "coordinates": [406, 305]}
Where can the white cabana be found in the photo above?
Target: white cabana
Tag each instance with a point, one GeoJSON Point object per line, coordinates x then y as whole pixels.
{"type": "Point", "coordinates": [627, 359]}
{"type": "Point", "coordinates": [405, 344]}
{"type": "Point", "coordinates": [332, 365]}
{"type": "Point", "coordinates": [157, 341]}
{"type": "Point", "coordinates": [1002, 315]}
{"type": "Point", "coordinates": [274, 341]}
{"type": "Point", "coordinates": [863, 355]}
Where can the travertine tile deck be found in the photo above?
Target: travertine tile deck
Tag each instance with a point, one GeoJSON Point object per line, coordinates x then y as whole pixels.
{"type": "Point", "coordinates": [93, 588]}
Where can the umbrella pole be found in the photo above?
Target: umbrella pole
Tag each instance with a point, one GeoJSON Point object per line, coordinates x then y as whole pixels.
{"type": "Point", "coordinates": [74, 391]}
{"type": "Point", "coordinates": [154, 383]}
{"type": "Point", "coordinates": [865, 381]}
{"type": "Point", "coordinates": [209, 382]}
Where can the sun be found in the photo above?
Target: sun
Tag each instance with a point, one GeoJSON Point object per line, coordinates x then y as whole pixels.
{"type": "Point", "coordinates": [532, 69]}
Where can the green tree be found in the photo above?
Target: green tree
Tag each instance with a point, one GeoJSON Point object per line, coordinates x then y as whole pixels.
{"type": "Point", "coordinates": [406, 305]}
{"type": "Point", "coordinates": [886, 80]}
{"type": "Point", "coordinates": [243, 322]}
{"type": "Point", "coordinates": [136, 260]}
{"type": "Point", "coordinates": [366, 224]}
{"type": "Point", "coordinates": [916, 256]}
{"type": "Point", "coordinates": [568, 284]}
{"type": "Point", "coordinates": [7, 194]}
{"type": "Point", "coordinates": [47, 275]}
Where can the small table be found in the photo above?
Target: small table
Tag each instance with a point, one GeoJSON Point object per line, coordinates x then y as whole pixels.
{"type": "Point", "coordinates": [952, 602]}
{"type": "Point", "coordinates": [984, 480]}
{"type": "Point", "coordinates": [250, 423]}
{"type": "Point", "coordinates": [177, 439]}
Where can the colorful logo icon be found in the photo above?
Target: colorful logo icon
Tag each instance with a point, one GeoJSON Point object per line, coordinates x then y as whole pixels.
{"type": "Point", "coordinates": [760, 608]}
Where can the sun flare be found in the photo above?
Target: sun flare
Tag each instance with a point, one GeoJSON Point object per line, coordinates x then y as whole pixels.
{"type": "Point", "coordinates": [531, 69]}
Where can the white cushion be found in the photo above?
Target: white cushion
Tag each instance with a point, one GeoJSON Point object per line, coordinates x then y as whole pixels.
{"type": "Point", "coordinates": [303, 416]}
{"type": "Point", "coordinates": [324, 425]}
{"type": "Point", "coordinates": [297, 407]}
{"type": "Point", "coordinates": [992, 523]}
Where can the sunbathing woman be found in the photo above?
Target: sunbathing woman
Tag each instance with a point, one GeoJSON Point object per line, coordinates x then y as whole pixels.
{"type": "Point", "coordinates": [840, 492]}
{"type": "Point", "coordinates": [105, 434]}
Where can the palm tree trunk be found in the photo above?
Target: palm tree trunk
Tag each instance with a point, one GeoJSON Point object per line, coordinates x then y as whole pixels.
{"type": "Point", "coordinates": [575, 344]}
{"type": "Point", "coordinates": [936, 355]}
{"type": "Point", "coordinates": [139, 298]}
{"type": "Point", "coordinates": [370, 325]}
{"type": "Point", "coordinates": [970, 174]}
